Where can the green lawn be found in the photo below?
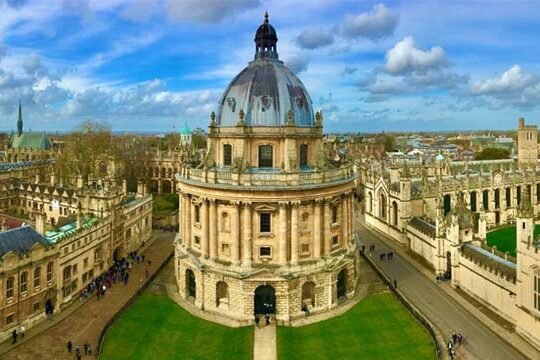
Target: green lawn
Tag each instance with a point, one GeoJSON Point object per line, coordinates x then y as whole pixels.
{"type": "Point", "coordinates": [378, 327]}
{"type": "Point", "coordinates": [155, 327]}
{"type": "Point", "coordinates": [165, 204]}
{"type": "Point", "coordinates": [505, 239]}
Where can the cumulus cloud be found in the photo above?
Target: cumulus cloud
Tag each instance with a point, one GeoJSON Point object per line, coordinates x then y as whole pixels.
{"type": "Point", "coordinates": [376, 24]}
{"type": "Point", "coordinates": [511, 81]}
{"type": "Point", "coordinates": [141, 10]}
{"type": "Point", "coordinates": [296, 62]}
{"type": "Point", "coordinates": [313, 39]}
{"type": "Point", "coordinates": [405, 57]}
{"type": "Point", "coordinates": [349, 70]}
{"type": "Point", "coordinates": [33, 66]}
{"type": "Point", "coordinates": [207, 11]}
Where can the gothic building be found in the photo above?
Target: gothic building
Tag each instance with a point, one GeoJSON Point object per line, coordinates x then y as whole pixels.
{"type": "Point", "coordinates": [266, 218]}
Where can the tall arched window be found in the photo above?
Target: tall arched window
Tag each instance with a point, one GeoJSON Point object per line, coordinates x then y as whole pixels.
{"type": "Point", "coordinates": [382, 206]}
{"type": "Point", "coordinates": [303, 155]}
{"type": "Point", "coordinates": [227, 155]}
{"type": "Point", "coordinates": [50, 267]}
{"type": "Point", "coordinates": [24, 281]}
{"type": "Point", "coordinates": [485, 199]}
{"type": "Point", "coordinates": [473, 201]}
{"type": "Point", "coordinates": [447, 202]}
{"type": "Point", "coordinates": [10, 284]}
{"type": "Point", "coordinates": [37, 277]}
{"type": "Point", "coordinates": [394, 213]}
{"type": "Point", "coordinates": [266, 157]}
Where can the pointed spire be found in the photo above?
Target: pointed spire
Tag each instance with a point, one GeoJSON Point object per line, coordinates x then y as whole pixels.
{"type": "Point", "coordinates": [266, 17]}
{"type": "Point", "coordinates": [20, 121]}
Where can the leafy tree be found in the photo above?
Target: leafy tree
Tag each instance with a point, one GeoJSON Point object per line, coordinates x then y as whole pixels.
{"type": "Point", "coordinates": [492, 153]}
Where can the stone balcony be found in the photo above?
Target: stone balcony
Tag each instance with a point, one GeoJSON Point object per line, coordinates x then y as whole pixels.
{"type": "Point", "coordinates": [268, 177]}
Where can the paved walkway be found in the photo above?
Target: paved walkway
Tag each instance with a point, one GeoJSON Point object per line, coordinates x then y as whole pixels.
{"type": "Point", "coordinates": [264, 343]}
{"type": "Point", "coordinates": [442, 309]}
{"type": "Point", "coordinates": [87, 320]}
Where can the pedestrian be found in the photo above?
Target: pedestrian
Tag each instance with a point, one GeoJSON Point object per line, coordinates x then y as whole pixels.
{"type": "Point", "coordinates": [142, 258]}
{"type": "Point", "coordinates": [89, 349]}
{"type": "Point", "coordinates": [257, 320]}
{"type": "Point", "coordinates": [85, 347]}
{"type": "Point", "coordinates": [69, 346]}
{"type": "Point", "coordinates": [267, 319]}
{"type": "Point", "coordinates": [14, 336]}
{"type": "Point", "coordinates": [78, 355]}
{"type": "Point", "coordinates": [146, 272]}
{"type": "Point", "coordinates": [459, 338]}
{"type": "Point", "coordinates": [395, 284]}
{"type": "Point", "coordinates": [454, 338]}
{"type": "Point", "coordinates": [22, 330]}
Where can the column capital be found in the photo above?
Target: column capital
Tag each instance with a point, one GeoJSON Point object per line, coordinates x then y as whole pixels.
{"type": "Point", "coordinates": [235, 202]}
{"type": "Point", "coordinates": [295, 203]}
{"type": "Point", "coordinates": [283, 203]}
{"type": "Point", "coordinates": [247, 204]}
{"type": "Point", "coordinates": [212, 200]}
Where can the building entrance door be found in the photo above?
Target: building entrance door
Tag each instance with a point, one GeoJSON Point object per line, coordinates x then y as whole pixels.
{"type": "Point", "coordinates": [265, 300]}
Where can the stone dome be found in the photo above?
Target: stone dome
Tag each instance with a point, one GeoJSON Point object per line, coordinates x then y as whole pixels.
{"type": "Point", "coordinates": [266, 90]}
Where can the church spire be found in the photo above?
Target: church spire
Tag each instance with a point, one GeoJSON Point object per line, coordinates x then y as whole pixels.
{"type": "Point", "coordinates": [19, 121]}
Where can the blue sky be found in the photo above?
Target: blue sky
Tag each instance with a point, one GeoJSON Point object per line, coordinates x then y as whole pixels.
{"type": "Point", "coordinates": [369, 65]}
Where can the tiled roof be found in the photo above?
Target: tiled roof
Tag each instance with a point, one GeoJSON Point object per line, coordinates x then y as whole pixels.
{"type": "Point", "coordinates": [20, 240]}
{"type": "Point", "coordinates": [423, 226]}
{"type": "Point", "coordinates": [493, 262]}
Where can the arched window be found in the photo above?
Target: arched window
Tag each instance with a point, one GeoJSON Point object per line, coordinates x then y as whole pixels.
{"type": "Point", "coordinates": [24, 281]}
{"type": "Point", "coordinates": [308, 294]}
{"type": "Point", "coordinates": [66, 276]}
{"type": "Point", "coordinates": [303, 155]}
{"type": "Point", "coordinates": [225, 222]}
{"type": "Point", "coordinates": [227, 155]}
{"type": "Point", "coordinates": [508, 197]}
{"type": "Point", "coordinates": [10, 285]}
{"type": "Point", "coordinates": [222, 294]}
{"type": "Point", "coordinates": [497, 198]}
{"type": "Point", "coordinates": [382, 206]}
{"type": "Point", "coordinates": [447, 202]}
{"type": "Point", "coordinates": [266, 156]}
{"type": "Point", "coordinates": [485, 199]}
{"type": "Point", "coordinates": [37, 277]}
{"type": "Point", "coordinates": [50, 267]}
{"type": "Point", "coordinates": [518, 195]}
{"type": "Point", "coordinates": [394, 213]}
{"type": "Point", "coordinates": [473, 201]}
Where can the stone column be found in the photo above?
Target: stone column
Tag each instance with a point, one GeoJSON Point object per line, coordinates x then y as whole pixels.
{"type": "Point", "coordinates": [180, 214]}
{"type": "Point", "coordinates": [235, 232]}
{"type": "Point", "coordinates": [213, 223]}
{"type": "Point", "coordinates": [327, 220]}
{"type": "Point", "coordinates": [187, 221]}
{"type": "Point", "coordinates": [345, 220]}
{"type": "Point", "coordinates": [282, 233]}
{"type": "Point", "coordinates": [204, 227]}
{"type": "Point", "coordinates": [317, 231]}
{"type": "Point", "coordinates": [294, 233]}
{"type": "Point", "coordinates": [248, 239]}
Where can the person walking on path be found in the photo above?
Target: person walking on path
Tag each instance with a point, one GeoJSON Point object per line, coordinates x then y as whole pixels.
{"type": "Point", "coordinates": [14, 336]}
{"type": "Point", "coordinates": [257, 320]}
{"type": "Point", "coordinates": [89, 349]}
{"type": "Point", "coordinates": [69, 346]}
{"type": "Point", "coordinates": [85, 347]}
{"type": "Point", "coordinates": [267, 319]}
{"type": "Point", "coordinates": [78, 353]}
{"type": "Point", "coordinates": [22, 330]}
{"type": "Point", "coordinates": [395, 284]}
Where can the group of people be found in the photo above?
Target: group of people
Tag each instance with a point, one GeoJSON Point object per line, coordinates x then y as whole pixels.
{"type": "Point", "coordinates": [455, 340]}
{"type": "Point", "coordinates": [266, 319]}
{"type": "Point", "coordinates": [16, 333]}
{"type": "Point", "coordinates": [87, 348]}
{"type": "Point", "coordinates": [389, 256]}
{"type": "Point", "coordinates": [119, 271]}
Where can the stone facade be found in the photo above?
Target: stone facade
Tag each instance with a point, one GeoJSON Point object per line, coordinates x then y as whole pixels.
{"type": "Point", "coordinates": [527, 143]}
{"type": "Point", "coordinates": [266, 219]}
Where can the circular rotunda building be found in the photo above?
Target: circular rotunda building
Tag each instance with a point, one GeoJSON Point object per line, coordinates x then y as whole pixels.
{"type": "Point", "coordinates": [266, 215]}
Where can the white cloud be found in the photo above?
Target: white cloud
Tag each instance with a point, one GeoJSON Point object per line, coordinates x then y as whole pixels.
{"type": "Point", "coordinates": [405, 57]}
{"type": "Point", "coordinates": [314, 38]}
{"type": "Point", "coordinates": [206, 11]}
{"type": "Point", "coordinates": [296, 62]}
{"type": "Point", "coordinates": [376, 24]}
{"type": "Point", "coordinates": [512, 80]}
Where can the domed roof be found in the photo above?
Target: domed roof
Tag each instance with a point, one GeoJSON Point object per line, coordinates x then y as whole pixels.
{"type": "Point", "coordinates": [185, 130]}
{"type": "Point", "coordinates": [266, 90]}
{"type": "Point", "coordinates": [439, 157]}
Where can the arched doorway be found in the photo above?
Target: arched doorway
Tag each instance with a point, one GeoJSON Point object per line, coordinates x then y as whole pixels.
{"type": "Point", "coordinates": [222, 294]}
{"type": "Point", "coordinates": [342, 284]}
{"type": "Point", "coordinates": [116, 254]}
{"type": "Point", "coordinates": [265, 300]}
{"type": "Point", "coordinates": [308, 294]}
{"type": "Point", "coordinates": [191, 285]}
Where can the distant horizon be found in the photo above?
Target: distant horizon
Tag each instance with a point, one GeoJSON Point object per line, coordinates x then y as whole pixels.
{"type": "Point", "coordinates": [371, 66]}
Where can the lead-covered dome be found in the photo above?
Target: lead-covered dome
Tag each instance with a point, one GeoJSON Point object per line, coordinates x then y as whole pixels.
{"type": "Point", "coordinates": [266, 91]}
